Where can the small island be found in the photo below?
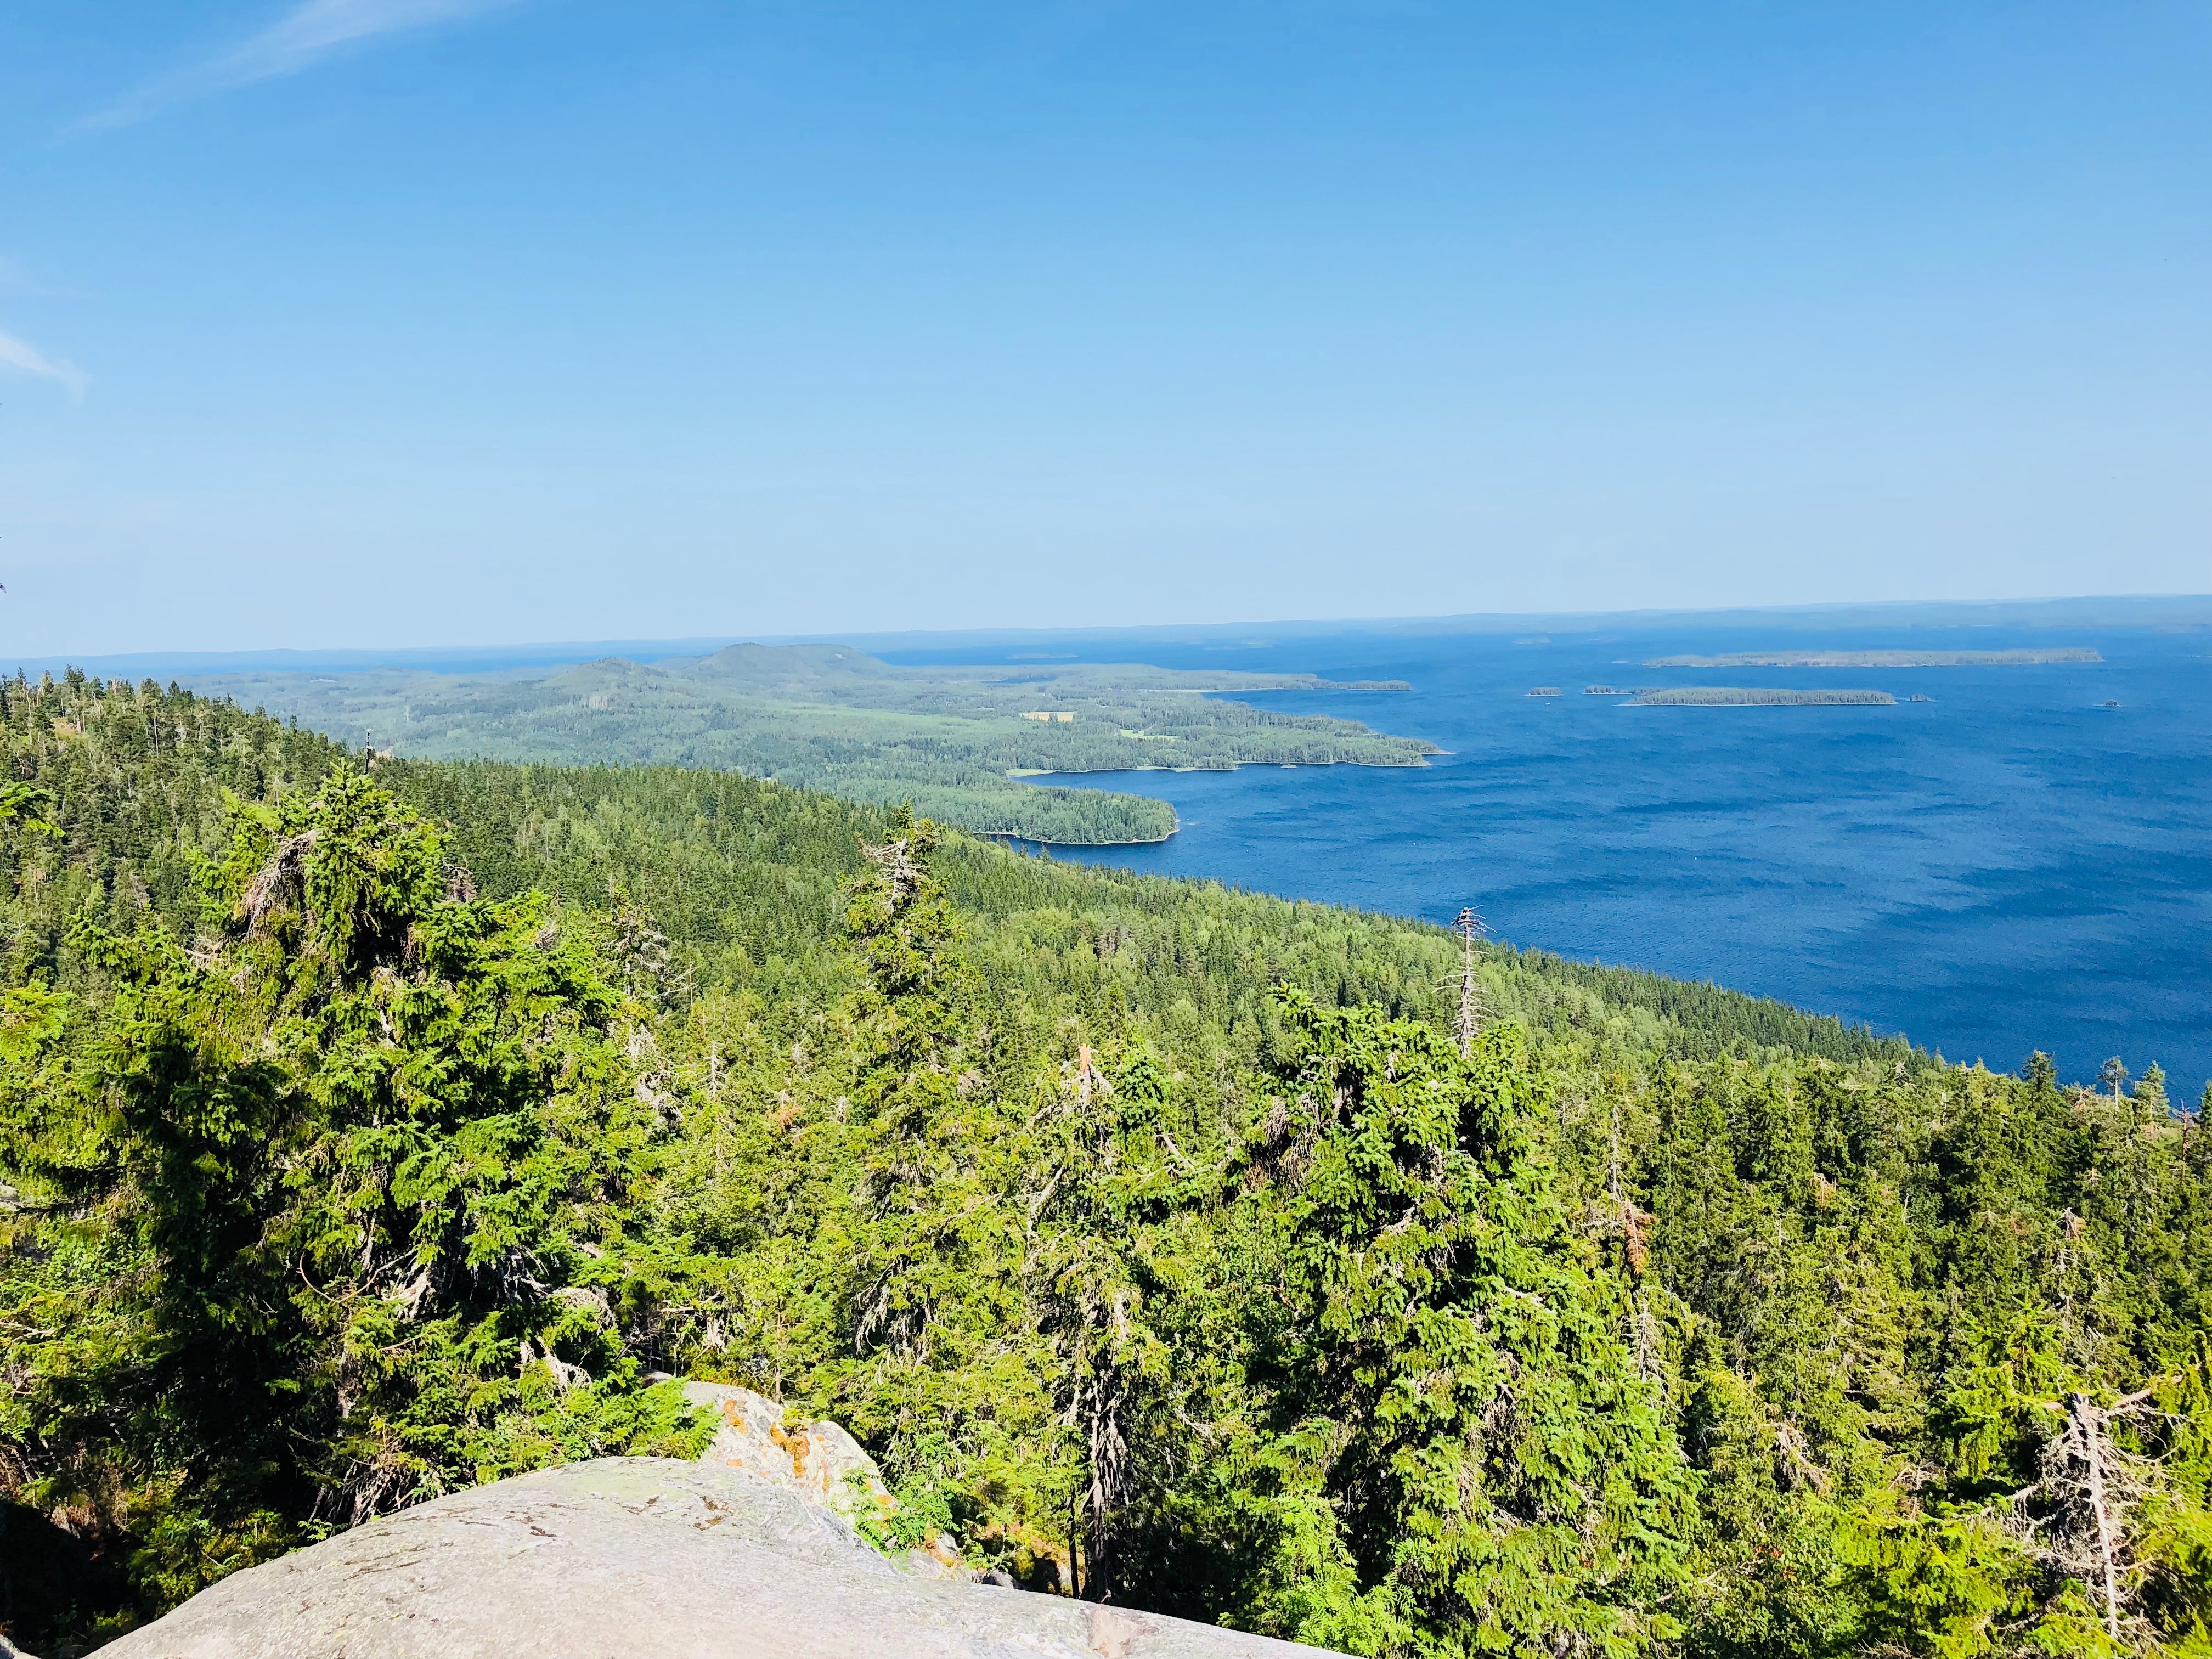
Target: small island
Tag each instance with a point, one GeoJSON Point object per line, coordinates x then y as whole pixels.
{"type": "Point", "coordinates": [1880, 659]}
{"type": "Point", "coordinates": [1750, 697]}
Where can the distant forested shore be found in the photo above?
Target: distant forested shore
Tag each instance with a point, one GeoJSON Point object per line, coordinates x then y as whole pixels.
{"type": "Point", "coordinates": [1880, 659]}
{"type": "Point", "coordinates": [1748, 696]}
{"type": "Point", "coordinates": [954, 742]}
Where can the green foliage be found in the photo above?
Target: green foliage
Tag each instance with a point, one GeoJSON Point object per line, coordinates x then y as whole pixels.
{"type": "Point", "coordinates": [747, 878]}
{"type": "Point", "coordinates": [1501, 1476]}
{"type": "Point", "coordinates": [21, 804]}
{"type": "Point", "coordinates": [931, 1273]}
{"type": "Point", "coordinates": [326, 1212]}
{"type": "Point", "coordinates": [366, 1133]}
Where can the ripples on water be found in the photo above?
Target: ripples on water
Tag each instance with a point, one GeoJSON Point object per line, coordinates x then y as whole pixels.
{"type": "Point", "coordinates": [2008, 866]}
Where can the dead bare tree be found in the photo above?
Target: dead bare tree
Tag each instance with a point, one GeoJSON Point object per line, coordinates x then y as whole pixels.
{"type": "Point", "coordinates": [902, 871]}
{"type": "Point", "coordinates": [281, 880]}
{"type": "Point", "coordinates": [1467, 1024]}
{"type": "Point", "coordinates": [2088, 1487]}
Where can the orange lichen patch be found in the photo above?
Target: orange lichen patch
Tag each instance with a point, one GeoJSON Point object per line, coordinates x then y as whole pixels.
{"type": "Point", "coordinates": [795, 1447]}
{"type": "Point", "coordinates": [811, 1462]}
{"type": "Point", "coordinates": [735, 1457]}
{"type": "Point", "coordinates": [817, 1460]}
{"type": "Point", "coordinates": [940, 1550]}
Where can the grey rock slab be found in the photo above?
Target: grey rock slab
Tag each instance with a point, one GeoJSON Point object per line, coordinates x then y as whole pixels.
{"type": "Point", "coordinates": [638, 1558]}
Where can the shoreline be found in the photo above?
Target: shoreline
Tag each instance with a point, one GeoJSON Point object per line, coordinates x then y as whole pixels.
{"type": "Point", "coordinates": [1233, 766]}
{"type": "Point", "coordinates": [1037, 840]}
{"type": "Point", "coordinates": [1023, 773]}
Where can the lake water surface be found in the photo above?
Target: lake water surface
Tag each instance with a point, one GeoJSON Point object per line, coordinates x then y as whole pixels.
{"type": "Point", "coordinates": [2008, 866]}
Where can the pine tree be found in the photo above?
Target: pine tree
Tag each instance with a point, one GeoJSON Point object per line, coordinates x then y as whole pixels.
{"type": "Point", "coordinates": [1110, 1249]}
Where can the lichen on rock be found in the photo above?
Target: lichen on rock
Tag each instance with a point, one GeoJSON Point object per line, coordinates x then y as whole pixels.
{"type": "Point", "coordinates": [818, 1459]}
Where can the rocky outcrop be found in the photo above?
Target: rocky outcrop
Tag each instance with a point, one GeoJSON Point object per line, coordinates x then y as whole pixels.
{"type": "Point", "coordinates": [639, 1558]}
{"type": "Point", "coordinates": [824, 1465]}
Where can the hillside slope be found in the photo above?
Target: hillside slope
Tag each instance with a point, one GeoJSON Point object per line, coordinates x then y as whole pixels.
{"type": "Point", "coordinates": [1155, 1238]}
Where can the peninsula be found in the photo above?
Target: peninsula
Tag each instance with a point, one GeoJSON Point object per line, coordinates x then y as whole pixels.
{"type": "Point", "coordinates": [955, 741]}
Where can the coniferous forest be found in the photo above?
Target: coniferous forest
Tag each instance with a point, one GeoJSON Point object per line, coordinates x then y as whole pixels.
{"type": "Point", "coordinates": [372, 1128]}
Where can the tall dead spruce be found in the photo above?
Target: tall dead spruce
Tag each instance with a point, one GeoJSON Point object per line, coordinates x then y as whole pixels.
{"type": "Point", "coordinates": [2088, 1487]}
{"type": "Point", "coordinates": [902, 871]}
{"type": "Point", "coordinates": [1467, 1023]}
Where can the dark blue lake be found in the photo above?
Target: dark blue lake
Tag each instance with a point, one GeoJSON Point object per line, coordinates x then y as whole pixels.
{"type": "Point", "coordinates": [2010, 865]}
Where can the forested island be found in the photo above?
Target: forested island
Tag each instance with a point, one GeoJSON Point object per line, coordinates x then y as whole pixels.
{"type": "Point", "coordinates": [1881, 659]}
{"type": "Point", "coordinates": [372, 1129]}
{"type": "Point", "coordinates": [949, 740]}
{"type": "Point", "coordinates": [1747, 697]}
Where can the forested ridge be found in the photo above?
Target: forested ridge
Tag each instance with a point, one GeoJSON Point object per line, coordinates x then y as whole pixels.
{"type": "Point", "coordinates": [827, 717]}
{"type": "Point", "coordinates": [366, 1131]}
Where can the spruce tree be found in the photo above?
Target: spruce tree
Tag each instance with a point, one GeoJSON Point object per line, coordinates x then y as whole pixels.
{"type": "Point", "coordinates": [944, 1375]}
{"type": "Point", "coordinates": [1500, 1478]}
{"type": "Point", "coordinates": [345, 1189]}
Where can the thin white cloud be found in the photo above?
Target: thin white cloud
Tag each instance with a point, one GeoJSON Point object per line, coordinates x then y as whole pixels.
{"type": "Point", "coordinates": [303, 37]}
{"type": "Point", "coordinates": [25, 358]}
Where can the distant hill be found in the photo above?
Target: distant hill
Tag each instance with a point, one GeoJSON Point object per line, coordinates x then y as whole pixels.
{"type": "Point", "coordinates": [2155, 613]}
{"type": "Point", "coordinates": [770, 670]}
{"type": "Point", "coordinates": [953, 741]}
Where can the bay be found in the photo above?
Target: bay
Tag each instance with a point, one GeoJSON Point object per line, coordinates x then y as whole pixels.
{"type": "Point", "coordinates": [2009, 865]}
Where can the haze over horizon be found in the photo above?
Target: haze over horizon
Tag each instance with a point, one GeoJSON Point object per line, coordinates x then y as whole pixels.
{"type": "Point", "coordinates": [402, 322]}
{"type": "Point", "coordinates": [2083, 615]}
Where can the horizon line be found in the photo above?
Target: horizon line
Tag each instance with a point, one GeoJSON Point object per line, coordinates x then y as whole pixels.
{"type": "Point", "coordinates": [537, 653]}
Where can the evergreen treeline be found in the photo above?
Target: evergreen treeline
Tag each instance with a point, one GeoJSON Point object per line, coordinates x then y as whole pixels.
{"type": "Point", "coordinates": [368, 1133]}
{"type": "Point", "coordinates": [744, 877]}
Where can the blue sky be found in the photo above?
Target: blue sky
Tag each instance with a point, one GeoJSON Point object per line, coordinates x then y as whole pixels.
{"type": "Point", "coordinates": [387, 322]}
